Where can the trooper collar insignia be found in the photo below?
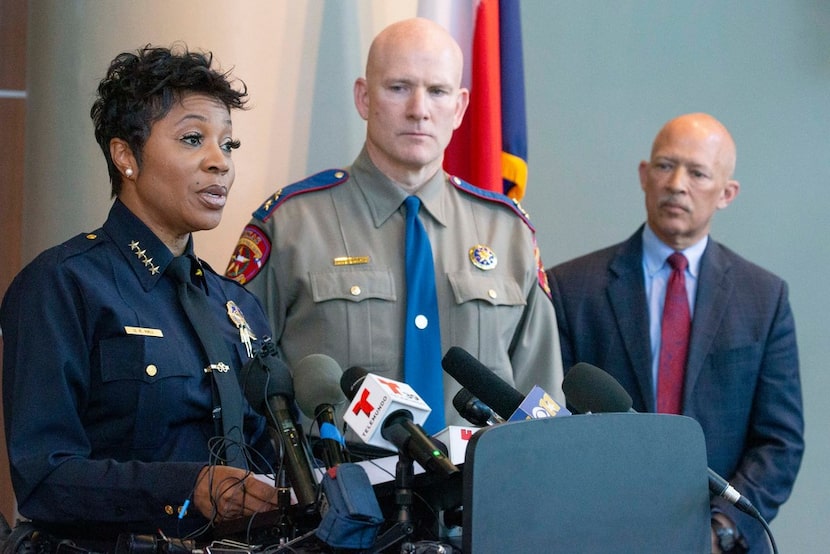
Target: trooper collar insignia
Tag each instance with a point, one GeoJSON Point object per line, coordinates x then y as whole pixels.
{"type": "Point", "coordinates": [483, 257]}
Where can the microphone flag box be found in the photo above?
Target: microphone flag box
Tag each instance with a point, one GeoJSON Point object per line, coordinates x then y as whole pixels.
{"type": "Point", "coordinates": [374, 401]}
{"type": "Point", "coordinates": [456, 438]}
{"type": "Point", "coordinates": [538, 404]}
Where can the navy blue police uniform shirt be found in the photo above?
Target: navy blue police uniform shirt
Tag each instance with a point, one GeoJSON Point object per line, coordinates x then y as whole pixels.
{"type": "Point", "coordinates": [107, 405]}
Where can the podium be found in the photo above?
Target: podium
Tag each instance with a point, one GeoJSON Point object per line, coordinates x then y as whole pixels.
{"type": "Point", "coordinates": [594, 483]}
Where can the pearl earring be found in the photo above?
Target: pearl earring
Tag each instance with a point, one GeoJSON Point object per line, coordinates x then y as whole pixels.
{"type": "Point", "coordinates": [128, 172]}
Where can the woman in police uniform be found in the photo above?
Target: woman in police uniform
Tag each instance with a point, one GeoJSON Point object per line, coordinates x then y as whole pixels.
{"type": "Point", "coordinates": [107, 402]}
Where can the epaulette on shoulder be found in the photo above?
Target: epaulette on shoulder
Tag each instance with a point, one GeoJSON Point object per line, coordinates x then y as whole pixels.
{"type": "Point", "coordinates": [81, 243]}
{"type": "Point", "coordinates": [323, 180]}
{"type": "Point", "coordinates": [491, 196]}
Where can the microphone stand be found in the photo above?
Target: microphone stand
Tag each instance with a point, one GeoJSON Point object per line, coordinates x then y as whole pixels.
{"type": "Point", "coordinates": [285, 526]}
{"type": "Point", "coordinates": [403, 527]}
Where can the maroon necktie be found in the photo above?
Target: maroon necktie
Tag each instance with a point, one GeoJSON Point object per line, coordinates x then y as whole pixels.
{"type": "Point", "coordinates": [674, 339]}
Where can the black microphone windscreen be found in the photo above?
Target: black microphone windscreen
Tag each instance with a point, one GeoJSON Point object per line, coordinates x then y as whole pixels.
{"type": "Point", "coordinates": [317, 382]}
{"type": "Point", "coordinates": [263, 377]}
{"type": "Point", "coordinates": [471, 408]}
{"type": "Point", "coordinates": [351, 380]}
{"type": "Point", "coordinates": [590, 389]}
{"type": "Point", "coordinates": [460, 400]}
{"type": "Point", "coordinates": [481, 382]}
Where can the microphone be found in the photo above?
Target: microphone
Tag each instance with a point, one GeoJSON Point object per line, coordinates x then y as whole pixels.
{"type": "Point", "coordinates": [389, 414]}
{"type": "Point", "coordinates": [589, 389]}
{"type": "Point", "coordinates": [266, 382]}
{"type": "Point", "coordinates": [474, 410]}
{"type": "Point", "coordinates": [350, 514]}
{"type": "Point", "coordinates": [317, 390]}
{"type": "Point", "coordinates": [504, 400]}
{"type": "Point", "coordinates": [372, 399]}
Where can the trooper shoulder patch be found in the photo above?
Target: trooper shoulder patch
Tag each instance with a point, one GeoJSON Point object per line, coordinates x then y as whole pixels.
{"type": "Point", "coordinates": [540, 270]}
{"type": "Point", "coordinates": [491, 196]}
{"type": "Point", "coordinates": [249, 256]}
{"type": "Point", "coordinates": [319, 181]}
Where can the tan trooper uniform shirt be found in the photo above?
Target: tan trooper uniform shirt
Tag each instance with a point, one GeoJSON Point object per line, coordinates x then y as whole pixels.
{"type": "Point", "coordinates": [326, 258]}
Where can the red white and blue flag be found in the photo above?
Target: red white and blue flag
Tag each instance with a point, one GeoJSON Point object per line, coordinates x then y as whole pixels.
{"type": "Point", "coordinates": [489, 150]}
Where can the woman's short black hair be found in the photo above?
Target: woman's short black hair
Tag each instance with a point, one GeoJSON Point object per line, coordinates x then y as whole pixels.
{"type": "Point", "coordinates": [141, 87]}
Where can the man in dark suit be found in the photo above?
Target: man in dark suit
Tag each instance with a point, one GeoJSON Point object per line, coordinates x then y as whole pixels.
{"type": "Point", "coordinates": [741, 380]}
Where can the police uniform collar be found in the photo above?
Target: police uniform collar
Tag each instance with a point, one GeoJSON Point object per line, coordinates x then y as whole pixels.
{"type": "Point", "coordinates": [384, 197]}
{"type": "Point", "coordinates": [145, 253]}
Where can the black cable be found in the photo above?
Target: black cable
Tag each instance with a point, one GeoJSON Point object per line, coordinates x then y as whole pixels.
{"type": "Point", "coordinates": [768, 531]}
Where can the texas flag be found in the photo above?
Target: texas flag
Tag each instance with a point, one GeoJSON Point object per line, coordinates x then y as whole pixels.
{"type": "Point", "coordinates": [490, 148]}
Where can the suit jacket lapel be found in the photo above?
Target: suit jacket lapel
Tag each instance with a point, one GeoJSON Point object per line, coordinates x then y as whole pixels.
{"type": "Point", "coordinates": [630, 311]}
{"type": "Point", "coordinates": [713, 290]}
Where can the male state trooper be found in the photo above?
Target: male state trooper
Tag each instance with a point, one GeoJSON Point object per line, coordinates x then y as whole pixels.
{"type": "Point", "coordinates": [326, 255]}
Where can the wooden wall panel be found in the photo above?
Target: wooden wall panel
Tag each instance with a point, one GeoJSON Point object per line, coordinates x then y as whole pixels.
{"type": "Point", "coordinates": [13, 15]}
{"type": "Point", "coordinates": [12, 122]}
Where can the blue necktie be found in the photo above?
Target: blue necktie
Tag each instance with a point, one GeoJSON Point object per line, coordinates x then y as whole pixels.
{"type": "Point", "coordinates": [422, 343]}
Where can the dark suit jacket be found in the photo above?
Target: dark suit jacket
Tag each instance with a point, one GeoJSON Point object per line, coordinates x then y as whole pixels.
{"type": "Point", "coordinates": [742, 379]}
